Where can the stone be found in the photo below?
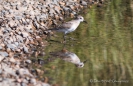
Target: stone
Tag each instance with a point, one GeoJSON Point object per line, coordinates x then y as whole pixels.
{"type": "Point", "coordinates": [18, 17]}
{"type": "Point", "coordinates": [33, 81]}
{"type": "Point", "coordinates": [84, 3]}
{"type": "Point", "coordinates": [11, 23]}
{"type": "Point", "coordinates": [4, 54]}
{"type": "Point", "coordinates": [24, 34]}
{"type": "Point", "coordinates": [19, 38]}
{"type": "Point", "coordinates": [57, 9]}
{"type": "Point", "coordinates": [23, 84]}
{"type": "Point", "coordinates": [61, 3]}
{"type": "Point", "coordinates": [52, 11]}
{"type": "Point", "coordinates": [46, 84]}
{"type": "Point", "coordinates": [23, 71]}
{"type": "Point", "coordinates": [12, 60]}
{"type": "Point", "coordinates": [25, 49]}
{"type": "Point", "coordinates": [25, 81]}
{"type": "Point", "coordinates": [6, 7]}
{"type": "Point", "coordinates": [0, 47]}
{"type": "Point", "coordinates": [16, 43]}
{"type": "Point", "coordinates": [11, 46]}
{"type": "Point", "coordinates": [66, 8]}
{"type": "Point", "coordinates": [36, 25]}
{"type": "Point", "coordinates": [1, 58]}
{"type": "Point", "coordinates": [8, 70]}
{"type": "Point", "coordinates": [28, 61]}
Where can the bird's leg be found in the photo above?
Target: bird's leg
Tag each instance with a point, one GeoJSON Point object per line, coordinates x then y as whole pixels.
{"type": "Point", "coordinates": [64, 37]}
{"type": "Point", "coordinates": [48, 36]}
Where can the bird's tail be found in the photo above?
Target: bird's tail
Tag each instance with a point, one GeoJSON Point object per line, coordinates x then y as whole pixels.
{"type": "Point", "coordinates": [48, 31]}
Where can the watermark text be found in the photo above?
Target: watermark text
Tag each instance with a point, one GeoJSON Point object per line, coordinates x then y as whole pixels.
{"type": "Point", "coordinates": [108, 81]}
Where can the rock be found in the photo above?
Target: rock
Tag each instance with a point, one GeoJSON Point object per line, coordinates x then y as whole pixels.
{"type": "Point", "coordinates": [52, 11]}
{"type": "Point", "coordinates": [11, 23]}
{"type": "Point", "coordinates": [23, 71]}
{"type": "Point", "coordinates": [28, 61]}
{"type": "Point", "coordinates": [25, 81]}
{"type": "Point", "coordinates": [11, 46]}
{"type": "Point", "coordinates": [24, 34]}
{"type": "Point", "coordinates": [12, 60]}
{"type": "Point", "coordinates": [38, 38]}
{"type": "Point", "coordinates": [4, 54]}
{"type": "Point", "coordinates": [62, 3]}
{"type": "Point", "coordinates": [57, 9]}
{"type": "Point", "coordinates": [18, 17]}
{"type": "Point", "coordinates": [8, 70]}
{"type": "Point", "coordinates": [83, 3]}
{"type": "Point", "coordinates": [19, 38]}
{"type": "Point", "coordinates": [66, 9]}
{"type": "Point", "coordinates": [33, 81]}
{"type": "Point", "coordinates": [25, 49]}
{"type": "Point", "coordinates": [16, 43]}
{"type": "Point", "coordinates": [46, 84]}
{"type": "Point", "coordinates": [6, 7]}
{"type": "Point", "coordinates": [8, 50]}
{"type": "Point", "coordinates": [32, 13]}
{"type": "Point", "coordinates": [1, 58]}
{"type": "Point", "coordinates": [0, 47]}
{"type": "Point", "coordinates": [36, 25]}
{"type": "Point", "coordinates": [23, 84]}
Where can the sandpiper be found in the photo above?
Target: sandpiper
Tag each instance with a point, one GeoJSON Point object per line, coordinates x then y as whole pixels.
{"type": "Point", "coordinates": [69, 26]}
{"type": "Point", "coordinates": [69, 57]}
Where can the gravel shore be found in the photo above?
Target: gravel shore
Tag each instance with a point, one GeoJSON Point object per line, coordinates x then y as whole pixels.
{"type": "Point", "coordinates": [22, 26]}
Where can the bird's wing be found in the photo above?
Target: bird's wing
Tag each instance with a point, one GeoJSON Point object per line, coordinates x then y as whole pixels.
{"type": "Point", "coordinates": [65, 25]}
{"type": "Point", "coordinates": [67, 58]}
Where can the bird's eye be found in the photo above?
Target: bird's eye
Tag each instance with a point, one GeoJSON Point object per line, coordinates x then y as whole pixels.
{"type": "Point", "coordinates": [80, 18]}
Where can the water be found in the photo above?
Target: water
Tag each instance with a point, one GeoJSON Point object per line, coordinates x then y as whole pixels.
{"type": "Point", "coordinates": [106, 42]}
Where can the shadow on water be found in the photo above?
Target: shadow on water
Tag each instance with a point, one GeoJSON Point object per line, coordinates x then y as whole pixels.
{"type": "Point", "coordinates": [106, 42]}
{"type": "Point", "coordinates": [65, 55]}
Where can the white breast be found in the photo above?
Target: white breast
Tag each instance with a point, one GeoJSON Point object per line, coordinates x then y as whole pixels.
{"type": "Point", "coordinates": [73, 27]}
{"type": "Point", "coordinates": [74, 58]}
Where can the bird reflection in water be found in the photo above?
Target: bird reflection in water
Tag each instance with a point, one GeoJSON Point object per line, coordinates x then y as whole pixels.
{"type": "Point", "coordinates": [69, 57]}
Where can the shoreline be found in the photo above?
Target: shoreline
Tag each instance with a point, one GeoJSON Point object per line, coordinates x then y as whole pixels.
{"type": "Point", "coordinates": [22, 26]}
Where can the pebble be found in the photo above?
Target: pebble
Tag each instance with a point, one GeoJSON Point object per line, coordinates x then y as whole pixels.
{"type": "Point", "coordinates": [33, 81]}
{"type": "Point", "coordinates": [46, 84]}
{"type": "Point", "coordinates": [28, 61]}
{"type": "Point", "coordinates": [0, 47]}
{"type": "Point", "coordinates": [11, 46]}
{"type": "Point", "coordinates": [25, 49]}
{"type": "Point", "coordinates": [4, 54]}
{"type": "Point", "coordinates": [24, 84]}
{"type": "Point", "coordinates": [84, 3]}
{"type": "Point", "coordinates": [23, 71]}
{"type": "Point", "coordinates": [24, 34]}
{"type": "Point", "coordinates": [1, 58]}
{"type": "Point", "coordinates": [12, 60]}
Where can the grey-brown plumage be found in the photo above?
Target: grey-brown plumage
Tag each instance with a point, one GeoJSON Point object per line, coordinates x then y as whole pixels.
{"type": "Point", "coordinates": [69, 26]}
{"type": "Point", "coordinates": [69, 57]}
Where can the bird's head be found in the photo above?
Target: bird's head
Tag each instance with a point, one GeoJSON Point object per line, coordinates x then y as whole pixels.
{"type": "Point", "coordinates": [81, 64]}
{"type": "Point", "coordinates": [81, 19]}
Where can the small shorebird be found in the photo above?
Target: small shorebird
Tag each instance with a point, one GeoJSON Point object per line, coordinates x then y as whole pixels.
{"type": "Point", "coordinates": [69, 26]}
{"type": "Point", "coordinates": [69, 57]}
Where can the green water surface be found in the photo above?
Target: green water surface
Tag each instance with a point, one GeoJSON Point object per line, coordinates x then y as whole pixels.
{"type": "Point", "coordinates": [106, 42]}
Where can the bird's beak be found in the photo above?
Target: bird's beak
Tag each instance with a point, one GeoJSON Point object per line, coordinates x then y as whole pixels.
{"type": "Point", "coordinates": [85, 61]}
{"type": "Point", "coordinates": [85, 21]}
